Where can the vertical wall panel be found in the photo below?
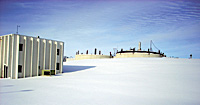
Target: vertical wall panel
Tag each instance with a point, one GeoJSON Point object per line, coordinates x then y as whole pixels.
{"type": "Point", "coordinates": [31, 58]}
{"type": "Point", "coordinates": [0, 54]}
{"type": "Point", "coordinates": [8, 45]}
{"type": "Point", "coordinates": [41, 56]}
{"type": "Point", "coordinates": [24, 61]}
{"type": "Point", "coordinates": [12, 59]}
{"type": "Point", "coordinates": [28, 57]}
{"type": "Point", "coordinates": [5, 50]}
{"type": "Point", "coordinates": [21, 56]}
{"type": "Point", "coordinates": [44, 54]}
{"type": "Point", "coordinates": [47, 54]}
{"type": "Point", "coordinates": [61, 57]}
{"type": "Point", "coordinates": [16, 54]}
{"type": "Point", "coordinates": [38, 56]}
{"type": "Point", "coordinates": [34, 57]}
{"type": "Point", "coordinates": [55, 56]}
{"type": "Point", "coordinates": [58, 56]}
{"type": "Point", "coordinates": [3, 58]}
{"type": "Point", "coordinates": [50, 51]}
{"type": "Point", "coordinates": [10, 56]}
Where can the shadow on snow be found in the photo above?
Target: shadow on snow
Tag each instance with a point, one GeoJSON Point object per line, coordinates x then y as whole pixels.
{"type": "Point", "coordinates": [16, 91]}
{"type": "Point", "coordinates": [8, 86]}
{"type": "Point", "coordinates": [69, 68]}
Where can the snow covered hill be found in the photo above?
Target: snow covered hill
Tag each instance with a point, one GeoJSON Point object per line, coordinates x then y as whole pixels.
{"type": "Point", "coordinates": [124, 81]}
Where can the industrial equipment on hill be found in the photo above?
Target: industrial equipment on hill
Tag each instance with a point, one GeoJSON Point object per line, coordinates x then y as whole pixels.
{"type": "Point", "coordinates": [91, 56]}
{"type": "Point", "coordinates": [139, 53]}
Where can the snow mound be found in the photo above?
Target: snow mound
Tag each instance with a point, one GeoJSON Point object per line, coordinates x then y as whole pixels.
{"type": "Point", "coordinates": [123, 81]}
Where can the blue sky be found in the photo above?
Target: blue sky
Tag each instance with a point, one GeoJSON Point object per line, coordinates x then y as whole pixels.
{"type": "Point", "coordinates": [174, 26]}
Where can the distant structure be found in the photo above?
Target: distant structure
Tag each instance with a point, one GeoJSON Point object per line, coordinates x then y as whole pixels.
{"type": "Point", "coordinates": [25, 56]}
{"type": "Point", "coordinates": [139, 46]}
{"type": "Point", "coordinates": [190, 56]}
{"type": "Point", "coordinates": [91, 56]}
{"type": "Point", "coordinates": [139, 53]}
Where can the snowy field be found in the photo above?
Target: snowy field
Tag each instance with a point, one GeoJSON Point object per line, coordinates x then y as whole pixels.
{"type": "Point", "coordinates": [128, 81]}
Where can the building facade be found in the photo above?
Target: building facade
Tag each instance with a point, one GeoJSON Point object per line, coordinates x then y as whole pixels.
{"type": "Point", "coordinates": [25, 56]}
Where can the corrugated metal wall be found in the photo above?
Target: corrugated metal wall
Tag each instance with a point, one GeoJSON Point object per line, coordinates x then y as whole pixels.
{"type": "Point", "coordinates": [36, 54]}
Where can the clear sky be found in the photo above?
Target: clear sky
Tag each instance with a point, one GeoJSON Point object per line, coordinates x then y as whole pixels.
{"type": "Point", "coordinates": [174, 26]}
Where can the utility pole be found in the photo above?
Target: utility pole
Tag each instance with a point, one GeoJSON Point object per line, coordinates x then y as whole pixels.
{"type": "Point", "coordinates": [17, 28]}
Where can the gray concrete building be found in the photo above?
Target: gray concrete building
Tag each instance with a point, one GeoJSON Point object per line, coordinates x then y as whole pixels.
{"type": "Point", "coordinates": [25, 56]}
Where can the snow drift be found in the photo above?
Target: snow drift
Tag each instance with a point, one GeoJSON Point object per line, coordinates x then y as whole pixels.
{"type": "Point", "coordinates": [124, 81]}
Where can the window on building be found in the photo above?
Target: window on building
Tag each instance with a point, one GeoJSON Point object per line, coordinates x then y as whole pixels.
{"type": "Point", "coordinates": [20, 47]}
{"type": "Point", "coordinates": [46, 73]}
{"type": "Point", "coordinates": [58, 50]}
{"type": "Point", "coordinates": [19, 68]}
{"type": "Point", "coordinates": [57, 66]}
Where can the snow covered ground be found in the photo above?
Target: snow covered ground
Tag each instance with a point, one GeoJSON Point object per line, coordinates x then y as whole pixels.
{"type": "Point", "coordinates": [124, 81]}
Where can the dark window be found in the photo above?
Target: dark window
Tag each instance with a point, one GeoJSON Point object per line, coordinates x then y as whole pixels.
{"type": "Point", "coordinates": [19, 68]}
{"type": "Point", "coordinates": [58, 51]}
{"type": "Point", "coordinates": [5, 71]}
{"type": "Point", "coordinates": [20, 47]}
{"type": "Point", "coordinates": [46, 73]}
{"type": "Point", "coordinates": [57, 66]}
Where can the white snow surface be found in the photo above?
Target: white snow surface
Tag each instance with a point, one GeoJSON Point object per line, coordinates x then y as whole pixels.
{"type": "Point", "coordinates": [122, 81]}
